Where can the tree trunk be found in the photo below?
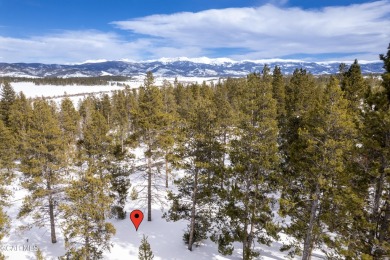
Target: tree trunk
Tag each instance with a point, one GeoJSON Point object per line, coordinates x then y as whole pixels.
{"type": "Point", "coordinates": [245, 250]}
{"type": "Point", "coordinates": [166, 172]}
{"type": "Point", "coordinates": [149, 189]}
{"type": "Point", "coordinates": [51, 211]}
{"type": "Point", "coordinates": [192, 224]}
{"type": "Point", "coordinates": [87, 257]}
{"type": "Point", "coordinates": [307, 246]}
{"type": "Point", "coordinates": [122, 142]}
{"type": "Point", "coordinates": [377, 198]}
{"type": "Point", "coordinates": [52, 224]}
{"type": "Point", "coordinates": [384, 230]}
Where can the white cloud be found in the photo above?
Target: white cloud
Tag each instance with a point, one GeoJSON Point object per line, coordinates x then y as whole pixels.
{"type": "Point", "coordinates": [270, 31]}
{"type": "Point", "coordinates": [70, 46]}
{"type": "Point", "coordinates": [267, 31]}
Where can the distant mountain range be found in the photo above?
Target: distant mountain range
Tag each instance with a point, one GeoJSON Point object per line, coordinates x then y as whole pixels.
{"type": "Point", "coordinates": [202, 67]}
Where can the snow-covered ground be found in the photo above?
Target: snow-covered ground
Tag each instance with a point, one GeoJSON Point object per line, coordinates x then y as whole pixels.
{"type": "Point", "coordinates": [32, 90]}
{"type": "Point", "coordinates": [164, 237]}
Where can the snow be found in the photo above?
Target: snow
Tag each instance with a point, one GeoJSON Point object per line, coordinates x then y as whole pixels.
{"type": "Point", "coordinates": [202, 60]}
{"type": "Point", "coordinates": [164, 237]}
{"type": "Point", "coordinates": [32, 90]}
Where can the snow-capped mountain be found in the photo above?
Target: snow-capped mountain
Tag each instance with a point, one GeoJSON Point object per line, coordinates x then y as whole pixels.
{"type": "Point", "coordinates": [199, 67]}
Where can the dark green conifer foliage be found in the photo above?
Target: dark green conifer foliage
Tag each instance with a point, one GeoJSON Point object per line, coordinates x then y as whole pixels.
{"type": "Point", "coordinates": [105, 108]}
{"type": "Point", "coordinates": [171, 131]}
{"type": "Point", "coordinates": [95, 141]}
{"type": "Point", "coordinates": [354, 86]}
{"type": "Point", "coordinates": [386, 75]}
{"type": "Point", "coordinates": [278, 90]}
{"type": "Point", "coordinates": [7, 149]}
{"type": "Point", "coordinates": [42, 164]}
{"type": "Point", "coordinates": [151, 122]}
{"type": "Point", "coordinates": [70, 126]}
{"type": "Point", "coordinates": [87, 234]}
{"type": "Point", "coordinates": [318, 193]}
{"type": "Point", "coordinates": [144, 251]}
{"type": "Point", "coordinates": [372, 230]}
{"type": "Point", "coordinates": [226, 118]}
{"type": "Point", "coordinates": [20, 120]}
{"type": "Point", "coordinates": [6, 163]}
{"type": "Point", "coordinates": [69, 120]}
{"type": "Point", "coordinates": [120, 185]}
{"type": "Point", "coordinates": [121, 120]}
{"type": "Point", "coordinates": [7, 98]}
{"type": "Point", "coordinates": [200, 154]}
{"type": "Point", "coordinates": [246, 215]}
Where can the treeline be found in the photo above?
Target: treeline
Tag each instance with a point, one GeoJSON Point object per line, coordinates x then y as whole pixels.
{"type": "Point", "coordinates": [316, 151]}
{"type": "Point", "coordinates": [58, 81]}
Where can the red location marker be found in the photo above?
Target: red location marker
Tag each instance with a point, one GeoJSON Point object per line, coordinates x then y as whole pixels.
{"type": "Point", "coordinates": [136, 216]}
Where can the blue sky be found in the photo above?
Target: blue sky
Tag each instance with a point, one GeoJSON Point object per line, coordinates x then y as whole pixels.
{"type": "Point", "coordinates": [71, 31]}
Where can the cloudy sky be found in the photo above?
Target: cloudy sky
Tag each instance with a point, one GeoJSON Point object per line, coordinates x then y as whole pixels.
{"type": "Point", "coordinates": [71, 31]}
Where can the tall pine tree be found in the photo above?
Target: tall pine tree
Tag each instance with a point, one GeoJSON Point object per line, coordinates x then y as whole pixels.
{"type": "Point", "coordinates": [42, 164]}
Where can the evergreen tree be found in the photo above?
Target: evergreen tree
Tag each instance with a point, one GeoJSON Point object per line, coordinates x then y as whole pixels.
{"type": "Point", "coordinates": [8, 95]}
{"type": "Point", "coordinates": [246, 214]}
{"type": "Point", "coordinates": [6, 155]}
{"type": "Point", "coordinates": [120, 119]}
{"type": "Point", "coordinates": [373, 227]}
{"type": "Point", "coordinates": [354, 86]}
{"type": "Point", "coordinates": [120, 185]}
{"type": "Point", "coordinates": [200, 153]}
{"type": "Point", "coordinates": [144, 251]}
{"type": "Point", "coordinates": [69, 120]}
{"type": "Point", "coordinates": [279, 94]}
{"type": "Point", "coordinates": [318, 194]}
{"type": "Point", "coordinates": [151, 122]}
{"type": "Point", "coordinates": [87, 234]}
{"type": "Point", "coordinates": [20, 121]}
{"type": "Point", "coordinates": [42, 165]}
{"type": "Point", "coordinates": [70, 126]}
{"type": "Point", "coordinates": [167, 138]}
{"type": "Point", "coordinates": [226, 117]}
{"type": "Point", "coordinates": [7, 149]}
{"type": "Point", "coordinates": [95, 142]}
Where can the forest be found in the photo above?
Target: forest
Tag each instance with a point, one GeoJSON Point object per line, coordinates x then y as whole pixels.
{"type": "Point", "coordinates": [316, 149]}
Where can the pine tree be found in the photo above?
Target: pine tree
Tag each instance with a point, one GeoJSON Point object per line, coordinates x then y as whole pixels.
{"type": "Point", "coordinates": [8, 95]}
{"type": "Point", "coordinates": [279, 94]}
{"type": "Point", "coordinates": [95, 142]}
{"type": "Point", "coordinates": [171, 132]}
{"type": "Point", "coordinates": [226, 117]}
{"type": "Point", "coordinates": [144, 251]}
{"type": "Point", "coordinates": [20, 121]}
{"type": "Point", "coordinates": [200, 153]}
{"type": "Point", "coordinates": [246, 214]}
{"type": "Point", "coordinates": [6, 152]}
{"type": "Point", "coordinates": [151, 122]}
{"type": "Point", "coordinates": [87, 234]}
{"type": "Point", "coordinates": [69, 120]}
{"type": "Point", "coordinates": [89, 194]}
{"type": "Point", "coordinates": [318, 191]}
{"type": "Point", "coordinates": [373, 227]}
{"type": "Point", "coordinates": [354, 87]}
{"type": "Point", "coordinates": [120, 185]}
{"type": "Point", "coordinates": [42, 164]}
{"type": "Point", "coordinates": [7, 149]}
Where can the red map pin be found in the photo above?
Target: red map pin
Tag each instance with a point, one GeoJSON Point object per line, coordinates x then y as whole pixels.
{"type": "Point", "coordinates": [136, 216]}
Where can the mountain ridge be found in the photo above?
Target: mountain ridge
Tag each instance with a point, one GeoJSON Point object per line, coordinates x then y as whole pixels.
{"type": "Point", "coordinates": [182, 66]}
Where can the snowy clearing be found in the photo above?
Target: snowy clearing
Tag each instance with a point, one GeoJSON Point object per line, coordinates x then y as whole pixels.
{"type": "Point", "coordinates": [164, 237]}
